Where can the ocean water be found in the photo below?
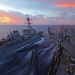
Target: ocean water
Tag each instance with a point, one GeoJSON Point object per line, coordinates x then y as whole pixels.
{"type": "Point", "coordinates": [6, 29]}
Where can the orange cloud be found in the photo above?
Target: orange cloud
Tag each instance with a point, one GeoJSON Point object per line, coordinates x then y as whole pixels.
{"type": "Point", "coordinates": [9, 19]}
{"type": "Point", "coordinates": [16, 18]}
{"type": "Point", "coordinates": [5, 19]}
{"type": "Point", "coordinates": [65, 5]}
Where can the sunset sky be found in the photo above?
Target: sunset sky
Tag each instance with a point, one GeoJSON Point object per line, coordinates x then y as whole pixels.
{"type": "Point", "coordinates": [42, 12]}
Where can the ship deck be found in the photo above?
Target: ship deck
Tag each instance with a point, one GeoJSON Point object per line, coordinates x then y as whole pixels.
{"type": "Point", "coordinates": [68, 46]}
{"type": "Point", "coordinates": [62, 69]}
{"type": "Point", "coordinates": [69, 49]}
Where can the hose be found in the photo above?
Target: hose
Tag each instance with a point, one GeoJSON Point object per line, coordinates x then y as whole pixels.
{"type": "Point", "coordinates": [16, 56]}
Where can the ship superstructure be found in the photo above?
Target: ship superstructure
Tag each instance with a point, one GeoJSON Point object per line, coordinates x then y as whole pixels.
{"type": "Point", "coordinates": [64, 33]}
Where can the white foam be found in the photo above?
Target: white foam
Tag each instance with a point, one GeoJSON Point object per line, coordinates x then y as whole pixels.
{"type": "Point", "coordinates": [40, 41]}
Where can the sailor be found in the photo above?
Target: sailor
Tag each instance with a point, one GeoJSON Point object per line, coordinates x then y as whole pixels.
{"type": "Point", "coordinates": [71, 65]}
{"type": "Point", "coordinates": [60, 50]}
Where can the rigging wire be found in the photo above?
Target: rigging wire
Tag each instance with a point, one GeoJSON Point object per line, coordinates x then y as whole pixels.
{"type": "Point", "coordinates": [16, 56]}
{"type": "Point", "coordinates": [5, 53]}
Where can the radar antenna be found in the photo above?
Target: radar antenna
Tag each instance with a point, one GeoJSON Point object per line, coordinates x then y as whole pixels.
{"type": "Point", "coordinates": [28, 21]}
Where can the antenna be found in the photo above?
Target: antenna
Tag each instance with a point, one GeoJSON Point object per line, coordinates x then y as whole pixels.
{"type": "Point", "coordinates": [28, 21]}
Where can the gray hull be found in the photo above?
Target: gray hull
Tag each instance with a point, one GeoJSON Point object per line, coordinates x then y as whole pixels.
{"type": "Point", "coordinates": [22, 45]}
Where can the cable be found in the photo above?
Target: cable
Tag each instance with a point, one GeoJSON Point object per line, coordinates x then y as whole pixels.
{"type": "Point", "coordinates": [21, 64]}
{"type": "Point", "coordinates": [16, 56]}
{"type": "Point", "coordinates": [5, 53]}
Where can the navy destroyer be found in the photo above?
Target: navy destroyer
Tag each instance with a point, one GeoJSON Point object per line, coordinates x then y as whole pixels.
{"type": "Point", "coordinates": [28, 38]}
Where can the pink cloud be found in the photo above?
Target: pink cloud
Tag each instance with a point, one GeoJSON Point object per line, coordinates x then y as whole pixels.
{"type": "Point", "coordinates": [11, 18]}
{"type": "Point", "coordinates": [65, 5]}
{"type": "Point", "coordinates": [16, 18]}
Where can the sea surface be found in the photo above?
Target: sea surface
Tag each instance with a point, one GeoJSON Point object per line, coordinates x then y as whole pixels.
{"type": "Point", "coordinates": [6, 29]}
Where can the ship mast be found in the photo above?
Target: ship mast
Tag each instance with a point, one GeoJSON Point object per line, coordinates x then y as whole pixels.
{"type": "Point", "coordinates": [28, 21]}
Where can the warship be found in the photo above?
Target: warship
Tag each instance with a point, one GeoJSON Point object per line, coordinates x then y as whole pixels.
{"type": "Point", "coordinates": [28, 38]}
